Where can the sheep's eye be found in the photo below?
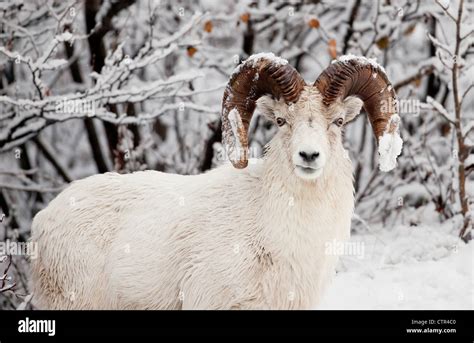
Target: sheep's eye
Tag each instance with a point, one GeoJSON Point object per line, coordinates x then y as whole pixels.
{"type": "Point", "coordinates": [280, 121]}
{"type": "Point", "coordinates": [339, 121]}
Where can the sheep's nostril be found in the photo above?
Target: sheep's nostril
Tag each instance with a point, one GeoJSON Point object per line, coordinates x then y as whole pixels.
{"type": "Point", "coordinates": [309, 157]}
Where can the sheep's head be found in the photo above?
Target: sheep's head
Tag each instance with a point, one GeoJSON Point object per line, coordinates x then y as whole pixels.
{"type": "Point", "coordinates": [310, 118]}
{"type": "Point", "coordinates": [310, 132]}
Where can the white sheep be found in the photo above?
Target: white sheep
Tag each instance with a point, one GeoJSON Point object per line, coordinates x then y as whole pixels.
{"type": "Point", "coordinates": [236, 237]}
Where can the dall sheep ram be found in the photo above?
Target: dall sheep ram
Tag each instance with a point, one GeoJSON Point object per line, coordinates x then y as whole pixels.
{"type": "Point", "coordinates": [239, 236]}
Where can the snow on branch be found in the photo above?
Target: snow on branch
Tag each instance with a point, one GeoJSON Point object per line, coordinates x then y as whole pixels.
{"type": "Point", "coordinates": [117, 83]}
{"type": "Point", "coordinates": [440, 109]}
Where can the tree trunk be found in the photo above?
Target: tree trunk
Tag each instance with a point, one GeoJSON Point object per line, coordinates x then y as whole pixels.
{"type": "Point", "coordinates": [97, 50]}
{"type": "Point", "coordinates": [97, 154]}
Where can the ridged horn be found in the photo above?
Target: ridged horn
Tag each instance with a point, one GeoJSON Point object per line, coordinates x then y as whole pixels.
{"type": "Point", "coordinates": [260, 74]}
{"type": "Point", "coordinates": [363, 78]}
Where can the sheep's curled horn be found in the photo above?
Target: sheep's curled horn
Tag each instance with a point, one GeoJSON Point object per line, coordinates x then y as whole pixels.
{"type": "Point", "coordinates": [266, 75]}
{"type": "Point", "coordinates": [357, 76]}
{"type": "Point", "coordinates": [257, 76]}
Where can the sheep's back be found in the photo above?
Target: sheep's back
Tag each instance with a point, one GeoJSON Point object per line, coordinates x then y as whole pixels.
{"type": "Point", "coordinates": [75, 235]}
{"type": "Point", "coordinates": [115, 241]}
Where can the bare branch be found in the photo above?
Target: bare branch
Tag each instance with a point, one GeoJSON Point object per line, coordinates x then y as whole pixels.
{"type": "Point", "coordinates": [423, 71]}
{"type": "Point", "coordinates": [440, 109]}
{"type": "Point", "coordinates": [445, 9]}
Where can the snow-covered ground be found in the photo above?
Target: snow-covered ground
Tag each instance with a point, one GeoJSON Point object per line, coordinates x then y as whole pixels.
{"type": "Point", "coordinates": [422, 267]}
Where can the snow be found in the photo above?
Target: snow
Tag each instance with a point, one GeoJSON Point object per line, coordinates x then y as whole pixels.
{"type": "Point", "coordinates": [236, 125]}
{"type": "Point", "coordinates": [440, 108]}
{"type": "Point", "coordinates": [53, 64]}
{"type": "Point", "coordinates": [390, 147]}
{"type": "Point", "coordinates": [278, 61]}
{"type": "Point", "coordinates": [444, 3]}
{"type": "Point", "coordinates": [361, 59]}
{"type": "Point", "coordinates": [468, 128]}
{"type": "Point", "coordinates": [14, 56]}
{"type": "Point", "coordinates": [103, 10]}
{"type": "Point", "coordinates": [65, 37]}
{"type": "Point", "coordinates": [268, 56]}
{"type": "Point", "coordinates": [405, 268]}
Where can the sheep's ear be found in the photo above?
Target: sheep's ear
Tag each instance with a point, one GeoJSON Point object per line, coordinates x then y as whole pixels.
{"type": "Point", "coordinates": [352, 106]}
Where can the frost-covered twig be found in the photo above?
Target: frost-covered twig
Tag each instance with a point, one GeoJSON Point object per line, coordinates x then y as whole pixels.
{"type": "Point", "coordinates": [50, 155]}
{"type": "Point", "coordinates": [112, 87]}
{"type": "Point", "coordinates": [462, 151]}
{"type": "Point", "coordinates": [422, 72]}
{"type": "Point", "coordinates": [445, 8]}
{"type": "Point", "coordinates": [440, 109]}
{"type": "Point", "coordinates": [4, 277]}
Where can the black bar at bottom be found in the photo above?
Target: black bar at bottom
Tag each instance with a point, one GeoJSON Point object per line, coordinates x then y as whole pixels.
{"type": "Point", "coordinates": [420, 325]}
